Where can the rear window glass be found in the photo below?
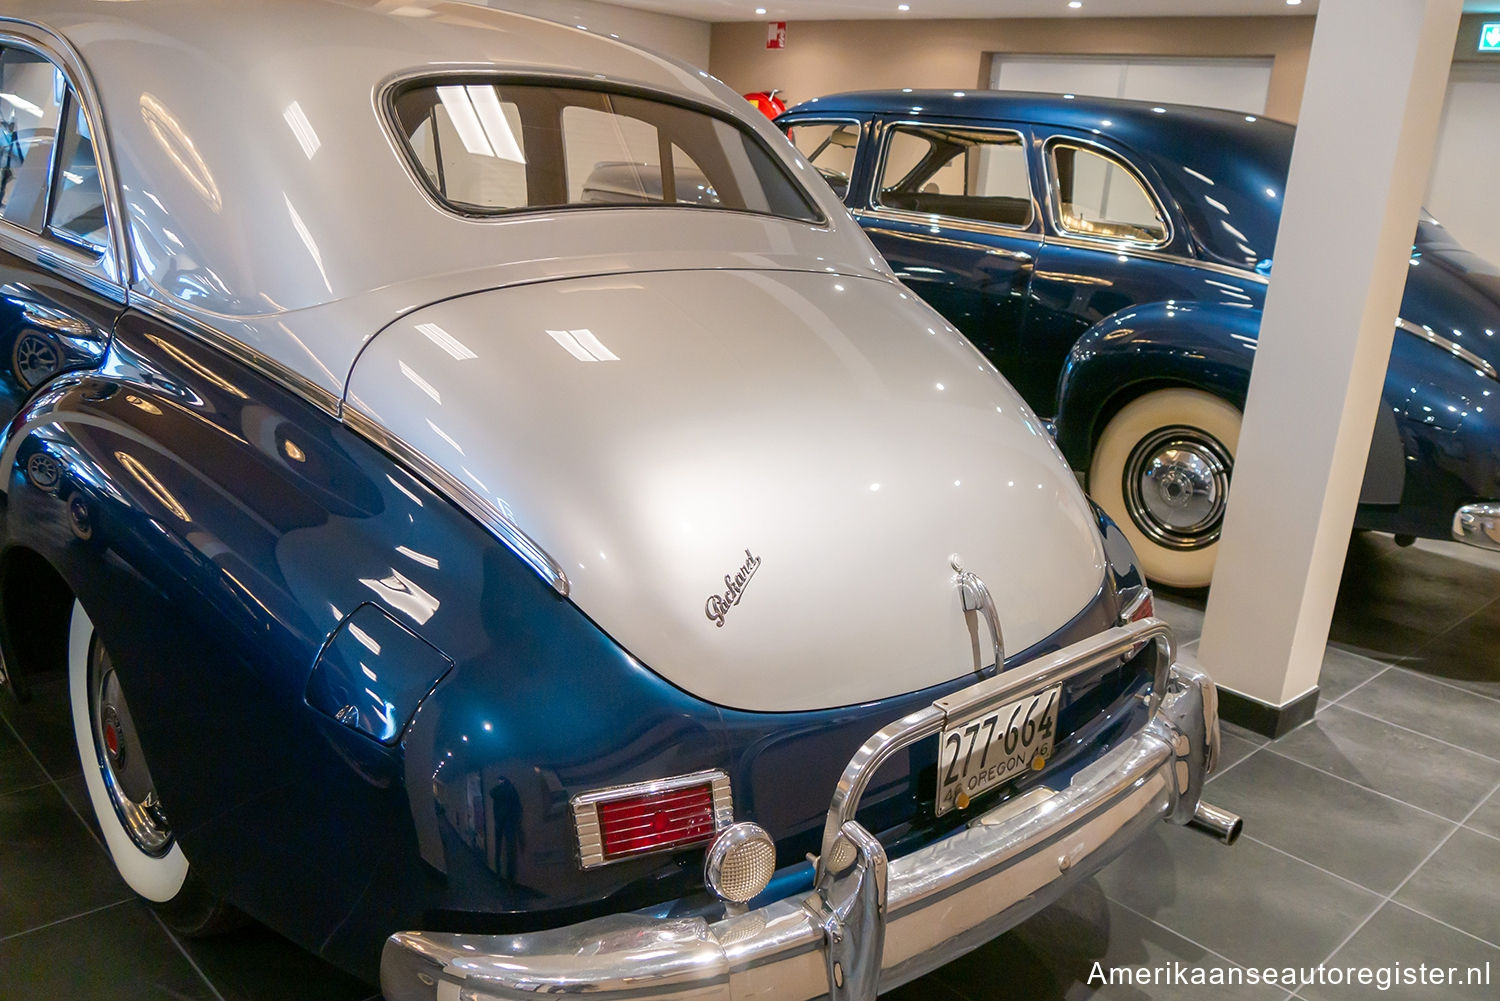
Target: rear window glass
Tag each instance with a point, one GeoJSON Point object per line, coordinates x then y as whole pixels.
{"type": "Point", "coordinates": [490, 148]}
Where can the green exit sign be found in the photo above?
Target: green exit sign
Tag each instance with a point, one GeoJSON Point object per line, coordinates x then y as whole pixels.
{"type": "Point", "coordinates": [1489, 37]}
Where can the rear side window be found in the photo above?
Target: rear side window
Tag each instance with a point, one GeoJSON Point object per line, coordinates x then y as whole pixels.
{"type": "Point", "coordinates": [1099, 196]}
{"type": "Point", "coordinates": [962, 173]}
{"type": "Point", "coordinates": [49, 174]}
{"type": "Point", "coordinates": [78, 215]}
{"type": "Point", "coordinates": [829, 147]}
{"type": "Point", "coordinates": [32, 91]}
{"type": "Point", "coordinates": [492, 148]}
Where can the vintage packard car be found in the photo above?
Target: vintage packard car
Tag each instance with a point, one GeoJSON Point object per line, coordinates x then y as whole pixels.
{"type": "Point", "coordinates": [543, 546]}
{"type": "Point", "coordinates": [1112, 257]}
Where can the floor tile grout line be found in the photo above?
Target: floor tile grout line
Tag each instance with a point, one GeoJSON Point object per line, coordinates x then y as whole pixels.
{"type": "Point", "coordinates": [1445, 683]}
{"type": "Point", "coordinates": [1430, 855]}
{"type": "Point", "coordinates": [17, 791]}
{"type": "Point", "coordinates": [1450, 927]}
{"type": "Point", "coordinates": [1314, 865]}
{"type": "Point", "coordinates": [1482, 834]}
{"type": "Point", "coordinates": [1419, 733]}
{"type": "Point", "coordinates": [1235, 764]}
{"type": "Point", "coordinates": [186, 955]}
{"type": "Point", "coordinates": [1430, 640]}
{"type": "Point", "coordinates": [60, 921]}
{"type": "Point", "coordinates": [1384, 667]}
{"type": "Point", "coordinates": [56, 785]}
{"type": "Point", "coordinates": [1196, 944]}
{"type": "Point", "coordinates": [1361, 785]}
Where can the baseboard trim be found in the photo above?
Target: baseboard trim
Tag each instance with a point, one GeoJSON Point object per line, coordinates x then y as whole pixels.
{"type": "Point", "coordinates": [1264, 718]}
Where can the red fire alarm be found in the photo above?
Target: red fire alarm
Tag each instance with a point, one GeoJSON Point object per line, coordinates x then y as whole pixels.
{"type": "Point", "coordinates": [776, 35]}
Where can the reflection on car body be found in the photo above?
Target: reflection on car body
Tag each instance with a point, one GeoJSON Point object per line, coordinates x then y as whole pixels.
{"type": "Point", "coordinates": [409, 401]}
{"type": "Point", "coordinates": [1111, 258]}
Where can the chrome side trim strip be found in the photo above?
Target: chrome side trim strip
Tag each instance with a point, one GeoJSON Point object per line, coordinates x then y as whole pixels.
{"type": "Point", "coordinates": [285, 377]}
{"type": "Point", "coordinates": [1136, 250]}
{"type": "Point", "coordinates": [1454, 348]}
{"type": "Point", "coordinates": [585, 807]}
{"type": "Point", "coordinates": [470, 502]}
{"type": "Point", "coordinates": [930, 219]}
{"type": "Point", "coordinates": [61, 259]}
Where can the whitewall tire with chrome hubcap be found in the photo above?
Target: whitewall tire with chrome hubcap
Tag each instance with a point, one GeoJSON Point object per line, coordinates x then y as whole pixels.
{"type": "Point", "coordinates": [1161, 470]}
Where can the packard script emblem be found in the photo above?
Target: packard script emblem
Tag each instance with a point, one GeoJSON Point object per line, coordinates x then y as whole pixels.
{"type": "Point", "coordinates": [718, 605]}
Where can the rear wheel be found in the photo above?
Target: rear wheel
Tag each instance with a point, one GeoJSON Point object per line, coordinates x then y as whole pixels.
{"type": "Point", "coordinates": [1161, 470]}
{"type": "Point", "coordinates": [123, 795]}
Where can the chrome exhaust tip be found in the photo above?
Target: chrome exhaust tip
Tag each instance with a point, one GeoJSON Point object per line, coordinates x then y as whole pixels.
{"type": "Point", "coordinates": [1222, 824]}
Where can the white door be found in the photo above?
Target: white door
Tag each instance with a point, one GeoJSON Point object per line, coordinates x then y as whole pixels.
{"type": "Point", "coordinates": [1462, 192]}
{"type": "Point", "coordinates": [1233, 84]}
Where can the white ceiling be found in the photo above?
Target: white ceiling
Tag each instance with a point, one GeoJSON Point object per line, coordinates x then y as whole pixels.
{"type": "Point", "coordinates": [808, 10]}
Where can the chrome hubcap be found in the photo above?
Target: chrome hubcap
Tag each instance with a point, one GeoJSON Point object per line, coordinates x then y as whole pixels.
{"type": "Point", "coordinates": [1176, 482]}
{"type": "Point", "coordinates": [121, 763]}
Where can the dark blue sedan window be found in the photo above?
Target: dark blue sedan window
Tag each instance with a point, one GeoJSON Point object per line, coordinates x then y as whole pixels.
{"type": "Point", "coordinates": [963, 173]}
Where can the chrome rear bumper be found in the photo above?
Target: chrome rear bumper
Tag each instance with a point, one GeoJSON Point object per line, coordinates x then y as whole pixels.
{"type": "Point", "coordinates": [1478, 525]}
{"type": "Point", "coordinates": [875, 923]}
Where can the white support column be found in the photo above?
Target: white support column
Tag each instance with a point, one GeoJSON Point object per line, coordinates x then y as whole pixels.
{"type": "Point", "coordinates": [1365, 138]}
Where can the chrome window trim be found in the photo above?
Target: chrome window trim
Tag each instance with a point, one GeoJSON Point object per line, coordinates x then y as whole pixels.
{"type": "Point", "coordinates": [585, 808]}
{"type": "Point", "coordinates": [1054, 207]}
{"type": "Point", "coordinates": [1454, 348]}
{"type": "Point", "coordinates": [112, 272]}
{"type": "Point", "coordinates": [930, 219]}
{"type": "Point", "coordinates": [886, 127]}
{"type": "Point", "coordinates": [384, 100]}
{"type": "Point", "coordinates": [60, 258]}
{"type": "Point", "coordinates": [445, 484]}
{"type": "Point", "coordinates": [859, 127]}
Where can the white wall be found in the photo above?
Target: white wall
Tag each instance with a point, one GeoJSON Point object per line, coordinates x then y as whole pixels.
{"type": "Point", "coordinates": [1236, 84]}
{"type": "Point", "coordinates": [1462, 193]}
{"type": "Point", "coordinates": [682, 37]}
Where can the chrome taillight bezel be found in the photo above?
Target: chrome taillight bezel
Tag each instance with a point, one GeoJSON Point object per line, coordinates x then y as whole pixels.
{"type": "Point", "coordinates": [586, 813]}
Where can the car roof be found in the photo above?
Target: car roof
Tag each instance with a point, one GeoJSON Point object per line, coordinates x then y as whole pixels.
{"type": "Point", "coordinates": [1079, 111]}
{"type": "Point", "coordinates": [258, 179]}
{"type": "Point", "coordinates": [1214, 163]}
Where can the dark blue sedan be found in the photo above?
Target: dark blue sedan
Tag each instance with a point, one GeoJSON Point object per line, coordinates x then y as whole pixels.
{"type": "Point", "coordinates": [1111, 258]}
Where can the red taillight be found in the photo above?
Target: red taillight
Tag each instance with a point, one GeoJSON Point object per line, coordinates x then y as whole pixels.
{"type": "Point", "coordinates": [658, 820]}
{"type": "Point", "coordinates": [647, 817]}
{"type": "Point", "coordinates": [1144, 610]}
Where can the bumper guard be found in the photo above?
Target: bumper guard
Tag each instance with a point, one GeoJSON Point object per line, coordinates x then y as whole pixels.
{"type": "Point", "coordinates": [872, 923]}
{"type": "Point", "coordinates": [1478, 525]}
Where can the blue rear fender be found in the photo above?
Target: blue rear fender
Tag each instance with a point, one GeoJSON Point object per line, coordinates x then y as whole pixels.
{"type": "Point", "coordinates": [219, 530]}
{"type": "Point", "coordinates": [1207, 346]}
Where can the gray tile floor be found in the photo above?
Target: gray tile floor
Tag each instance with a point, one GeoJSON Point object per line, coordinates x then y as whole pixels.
{"type": "Point", "coordinates": [1372, 837]}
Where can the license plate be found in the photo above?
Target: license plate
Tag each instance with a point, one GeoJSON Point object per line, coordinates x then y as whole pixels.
{"type": "Point", "coordinates": [991, 749]}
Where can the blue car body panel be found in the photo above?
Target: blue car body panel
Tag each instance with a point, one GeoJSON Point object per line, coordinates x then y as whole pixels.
{"type": "Point", "coordinates": [226, 534]}
{"type": "Point", "coordinates": [1102, 324]}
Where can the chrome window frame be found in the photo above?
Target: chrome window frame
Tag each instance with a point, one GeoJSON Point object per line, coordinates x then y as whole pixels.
{"type": "Point", "coordinates": [859, 126]}
{"type": "Point", "coordinates": [887, 128]}
{"type": "Point", "coordinates": [1054, 205]}
{"type": "Point", "coordinates": [385, 93]}
{"type": "Point", "coordinates": [110, 272]}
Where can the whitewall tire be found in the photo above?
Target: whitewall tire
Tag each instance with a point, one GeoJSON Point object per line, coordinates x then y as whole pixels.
{"type": "Point", "coordinates": [1161, 470]}
{"type": "Point", "coordinates": [156, 872]}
